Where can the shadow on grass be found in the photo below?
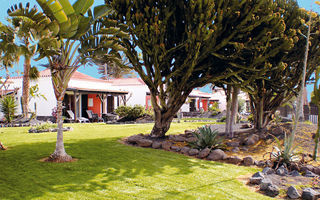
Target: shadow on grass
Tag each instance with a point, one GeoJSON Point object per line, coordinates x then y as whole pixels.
{"type": "Point", "coordinates": [101, 161]}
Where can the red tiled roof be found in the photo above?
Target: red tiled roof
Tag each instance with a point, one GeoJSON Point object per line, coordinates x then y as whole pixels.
{"type": "Point", "coordinates": [76, 75]}
{"type": "Point", "coordinates": [198, 93]}
{"type": "Point", "coordinates": [127, 81]}
{"type": "Point", "coordinates": [98, 90]}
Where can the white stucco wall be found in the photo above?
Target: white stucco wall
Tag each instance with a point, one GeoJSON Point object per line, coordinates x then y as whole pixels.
{"type": "Point", "coordinates": [138, 94]}
{"type": "Point", "coordinates": [44, 107]}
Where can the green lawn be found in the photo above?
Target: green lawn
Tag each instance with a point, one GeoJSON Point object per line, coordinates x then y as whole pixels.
{"type": "Point", "coordinates": [107, 169]}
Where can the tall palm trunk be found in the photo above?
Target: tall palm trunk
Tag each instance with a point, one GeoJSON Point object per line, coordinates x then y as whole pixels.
{"type": "Point", "coordinates": [26, 86]}
{"type": "Point", "coordinates": [60, 155]}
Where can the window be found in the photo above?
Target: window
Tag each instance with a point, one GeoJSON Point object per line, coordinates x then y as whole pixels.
{"type": "Point", "coordinates": [90, 102]}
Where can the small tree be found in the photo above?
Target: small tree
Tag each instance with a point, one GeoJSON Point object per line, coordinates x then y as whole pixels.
{"type": "Point", "coordinates": [8, 107]}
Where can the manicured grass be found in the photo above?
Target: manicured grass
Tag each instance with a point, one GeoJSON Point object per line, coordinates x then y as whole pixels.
{"type": "Point", "coordinates": [107, 169]}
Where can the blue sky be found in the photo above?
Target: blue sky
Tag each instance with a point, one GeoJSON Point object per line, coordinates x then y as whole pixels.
{"type": "Point", "coordinates": [91, 70]}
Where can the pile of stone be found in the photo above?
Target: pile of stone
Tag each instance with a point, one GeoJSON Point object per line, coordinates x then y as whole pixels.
{"type": "Point", "coordinates": [35, 130]}
{"type": "Point", "coordinates": [177, 143]}
{"type": "Point", "coordinates": [268, 176]}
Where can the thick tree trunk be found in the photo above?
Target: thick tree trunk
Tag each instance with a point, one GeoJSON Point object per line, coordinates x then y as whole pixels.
{"type": "Point", "coordinates": [228, 111]}
{"type": "Point", "coordinates": [60, 155]}
{"type": "Point", "coordinates": [234, 111]}
{"type": "Point", "coordinates": [26, 87]}
{"type": "Point", "coordinates": [161, 126]}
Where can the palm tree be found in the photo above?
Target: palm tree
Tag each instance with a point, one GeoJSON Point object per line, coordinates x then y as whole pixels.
{"type": "Point", "coordinates": [9, 54]}
{"type": "Point", "coordinates": [29, 28]}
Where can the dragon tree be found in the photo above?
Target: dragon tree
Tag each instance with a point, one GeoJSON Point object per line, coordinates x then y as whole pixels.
{"type": "Point", "coordinates": [185, 44]}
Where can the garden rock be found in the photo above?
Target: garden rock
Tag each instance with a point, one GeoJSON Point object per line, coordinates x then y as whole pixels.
{"type": "Point", "coordinates": [282, 171]}
{"type": "Point", "coordinates": [175, 148]}
{"type": "Point", "coordinates": [261, 163]}
{"type": "Point", "coordinates": [185, 150]}
{"type": "Point", "coordinates": [310, 174]}
{"type": "Point", "coordinates": [156, 145]}
{"type": "Point", "coordinates": [257, 175]}
{"type": "Point", "coordinates": [306, 168]}
{"type": "Point", "coordinates": [134, 138]}
{"type": "Point", "coordinates": [144, 142]}
{"type": "Point", "coordinates": [234, 160]}
{"type": "Point", "coordinates": [166, 145]}
{"type": "Point", "coordinates": [277, 131]}
{"type": "Point", "coordinates": [191, 139]}
{"type": "Point", "coordinates": [235, 149]}
{"type": "Point", "coordinates": [204, 153]}
{"type": "Point", "coordinates": [293, 193]}
{"type": "Point", "coordinates": [252, 139]}
{"type": "Point", "coordinates": [265, 183]}
{"type": "Point", "coordinates": [268, 170]}
{"type": "Point", "coordinates": [193, 152]}
{"type": "Point", "coordinates": [217, 154]}
{"type": "Point", "coordinates": [247, 161]}
{"type": "Point", "coordinates": [316, 170]}
{"type": "Point", "coordinates": [309, 194]}
{"type": "Point", "coordinates": [294, 166]}
{"type": "Point", "coordinates": [177, 138]}
{"type": "Point", "coordinates": [233, 144]}
{"type": "Point", "coordinates": [272, 191]}
{"type": "Point", "coordinates": [294, 173]}
{"type": "Point", "coordinates": [256, 180]}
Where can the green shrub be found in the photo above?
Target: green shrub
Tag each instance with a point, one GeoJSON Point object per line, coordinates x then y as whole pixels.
{"type": "Point", "coordinates": [8, 107]}
{"type": "Point", "coordinates": [129, 112]}
{"type": "Point", "coordinates": [136, 111]}
{"type": "Point", "coordinates": [250, 118]}
{"type": "Point", "coordinates": [206, 137]}
{"type": "Point", "coordinates": [45, 126]}
{"type": "Point", "coordinates": [214, 108]}
{"type": "Point", "coordinates": [223, 119]}
{"type": "Point", "coordinates": [123, 111]}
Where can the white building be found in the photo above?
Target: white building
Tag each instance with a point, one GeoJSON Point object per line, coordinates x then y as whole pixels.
{"type": "Point", "coordinates": [103, 96]}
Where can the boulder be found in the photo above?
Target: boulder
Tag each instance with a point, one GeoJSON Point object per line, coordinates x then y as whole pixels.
{"type": "Point", "coordinates": [309, 194]}
{"type": "Point", "coordinates": [217, 154]}
{"type": "Point", "coordinates": [134, 138]}
{"type": "Point", "coordinates": [248, 161]}
{"type": "Point", "coordinates": [316, 170]}
{"type": "Point", "coordinates": [272, 191]}
{"type": "Point", "coordinates": [144, 142]}
{"type": "Point", "coordinates": [204, 153]}
{"type": "Point", "coordinates": [191, 139]}
{"type": "Point", "coordinates": [234, 160]}
{"type": "Point", "coordinates": [268, 170]}
{"type": "Point", "coordinates": [185, 150]}
{"type": "Point", "coordinates": [175, 148]}
{"type": "Point", "coordinates": [156, 145]}
{"type": "Point", "coordinates": [265, 183]}
{"type": "Point", "coordinates": [166, 145]}
{"type": "Point", "coordinates": [277, 131]}
{"type": "Point", "coordinates": [282, 171]}
{"type": "Point", "coordinates": [233, 144]}
{"type": "Point", "coordinates": [306, 168]}
{"type": "Point", "coordinates": [294, 166]}
{"type": "Point", "coordinates": [294, 173]}
{"type": "Point", "coordinates": [261, 163]}
{"type": "Point", "coordinates": [310, 174]}
{"type": "Point", "coordinates": [251, 140]}
{"type": "Point", "coordinates": [235, 149]}
{"type": "Point", "coordinates": [293, 193]}
{"type": "Point", "coordinates": [193, 152]}
{"type": "Point", "coordinates": [256, 180]}
{"type": "Point", "coordinates": [177, 138]}
{"type": "Point", "coordinates": [258, 174]}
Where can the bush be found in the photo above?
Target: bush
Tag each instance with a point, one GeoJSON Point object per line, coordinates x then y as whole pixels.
{"type": "Point", "coordinates": [206, 138]}
{"type": "Point", "coordinates": [45, 126]}
{"type": "Point", "coordinates": [250, 118]}
{"type": "Point", "coordinates": [123, 111]}
{"type": "Point", "coordinates": [214, 108]}
{"type": "Point", "coordinates": [129, 112]}
{"type": "Point", "coordinates": [8, 107]}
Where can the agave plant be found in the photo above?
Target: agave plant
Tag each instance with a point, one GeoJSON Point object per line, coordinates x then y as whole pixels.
{"type": "Point", "coordinates": [206, 137]}
{"type": "Point", "coordinates": [284, 153]}
{"type": "Point", "coordinates": [8, 107]}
